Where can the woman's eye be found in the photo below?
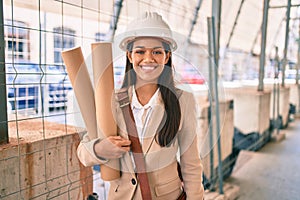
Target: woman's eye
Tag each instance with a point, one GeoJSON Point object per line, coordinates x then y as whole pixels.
{"type": "Point", "coordinates": [140, 52]}
{"type": "Point", "coordinates": [157, 52]}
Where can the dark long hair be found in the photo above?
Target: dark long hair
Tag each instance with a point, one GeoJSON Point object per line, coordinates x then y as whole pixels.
{"type": "Point", "coordinates": [170, 125]}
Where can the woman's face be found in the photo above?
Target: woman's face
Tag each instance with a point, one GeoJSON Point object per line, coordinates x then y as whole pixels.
{"type": "Point", "coordinates": [148, 58]}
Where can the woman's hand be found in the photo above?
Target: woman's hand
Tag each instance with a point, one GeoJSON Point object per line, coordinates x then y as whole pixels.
{"type": "Point", "coordinates": [112, 147]}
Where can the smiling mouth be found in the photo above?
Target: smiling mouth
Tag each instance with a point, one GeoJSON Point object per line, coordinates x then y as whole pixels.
{"type": "Point", "coordinates": [148, 67]}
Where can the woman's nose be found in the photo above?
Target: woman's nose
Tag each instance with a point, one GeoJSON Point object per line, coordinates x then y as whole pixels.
{"type": "Point", "coordinates": [148, 56]}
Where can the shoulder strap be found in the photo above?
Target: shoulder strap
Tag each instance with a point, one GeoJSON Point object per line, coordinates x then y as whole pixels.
{"type": "Point", "coordinates": [136, 148]}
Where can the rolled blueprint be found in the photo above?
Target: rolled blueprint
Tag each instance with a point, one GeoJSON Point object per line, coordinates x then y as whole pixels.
{"type": "Point", "coordinates": [82, 87]}
{"type": "Point", "coordinates": [104, 91]}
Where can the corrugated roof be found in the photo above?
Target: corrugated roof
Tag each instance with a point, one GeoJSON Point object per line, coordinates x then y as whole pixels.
{"type": "Point", "coordinates": [179, 14]}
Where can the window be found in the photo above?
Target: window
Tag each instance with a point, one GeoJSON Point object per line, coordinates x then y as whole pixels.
{"type": "Point", "coordinates": [16, 37]}
{"type": "Point", "coordinates": [63, 39]}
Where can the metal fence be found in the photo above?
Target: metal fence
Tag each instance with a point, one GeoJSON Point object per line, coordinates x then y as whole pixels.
{"type": "Point", "coordinates": [39, 128]}
{"type": "Point", "coordinates": [38, 143]}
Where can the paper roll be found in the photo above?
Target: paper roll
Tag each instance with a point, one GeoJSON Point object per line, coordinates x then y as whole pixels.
{"type": "Point", "coordinates": [104, 90]}
{"type": "Point", "coordinates": [82, 87]}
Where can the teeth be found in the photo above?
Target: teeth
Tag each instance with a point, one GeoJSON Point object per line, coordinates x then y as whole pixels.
{"type": "Point", "coordinates": [148, 67]}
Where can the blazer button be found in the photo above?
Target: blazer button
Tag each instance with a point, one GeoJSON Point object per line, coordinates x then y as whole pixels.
{"type": "Point", "coordinates": [133, 181]}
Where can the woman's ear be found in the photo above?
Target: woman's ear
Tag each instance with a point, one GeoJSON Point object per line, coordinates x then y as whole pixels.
{"type": "Point", "coordinates": [168, 55]}
{"type": "Point", "coordinates": [129, 56]}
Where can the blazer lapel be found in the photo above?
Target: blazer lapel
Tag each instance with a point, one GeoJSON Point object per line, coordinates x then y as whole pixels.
{"type": "Point", "coordinates": [150, 131]}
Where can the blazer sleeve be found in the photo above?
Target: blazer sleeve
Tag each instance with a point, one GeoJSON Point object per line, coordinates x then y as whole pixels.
{"type": "Point", "coordinates": [86, 153]}
{"type": "Point", "coordinates": [191, 167]}
{"type": "Point", "coordinates": [85, 149]}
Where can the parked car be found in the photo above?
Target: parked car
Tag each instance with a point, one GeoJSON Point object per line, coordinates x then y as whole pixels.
{"type": "Point", "coordinates": [22, 87]}
{"type": "Point", "coordinates": [29, 83]}
{"type": "Point", "coordinates": [190, 75]}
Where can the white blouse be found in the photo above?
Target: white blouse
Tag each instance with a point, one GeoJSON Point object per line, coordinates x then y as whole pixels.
{"type": "Point", "coordinates": [141, 113]}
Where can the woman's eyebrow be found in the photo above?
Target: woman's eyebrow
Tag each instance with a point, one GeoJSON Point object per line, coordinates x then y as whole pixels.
{"type": "Point", "coordinates": [143, 47]}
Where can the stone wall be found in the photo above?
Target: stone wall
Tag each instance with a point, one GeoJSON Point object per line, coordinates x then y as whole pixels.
{"type": "Point", "coordinates": [40, 162]}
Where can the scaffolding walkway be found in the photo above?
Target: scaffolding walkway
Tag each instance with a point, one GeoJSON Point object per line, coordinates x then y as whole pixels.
{"type": "Point", "coordinates": [273, 171]}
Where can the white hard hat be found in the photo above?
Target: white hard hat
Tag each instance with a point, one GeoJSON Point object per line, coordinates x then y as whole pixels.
{"type": "Point", "coordinates": [150, 24]}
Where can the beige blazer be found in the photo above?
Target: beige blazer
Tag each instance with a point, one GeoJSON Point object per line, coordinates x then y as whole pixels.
{"type": "Point", "coordinates": [161, 162]}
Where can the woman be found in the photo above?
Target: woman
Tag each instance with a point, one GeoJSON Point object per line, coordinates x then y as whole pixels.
{"type": "Point", "coordinates": [164, 116]}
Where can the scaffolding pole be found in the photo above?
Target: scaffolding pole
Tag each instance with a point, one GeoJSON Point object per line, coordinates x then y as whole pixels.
{"type": "Point", "coordinates": [298, 57]}
{"type": "Point", "coordinates": [276, 93]}
{"type": "Point", "coordinates": [216, 14]}
{"type": "Point", "coordinates": [235, 23]}
{"type": "Point", "coordinates": [114, 19]}
{"type": "Point", "coordinates": [263, 46]}
{"type": "Point", "coordinates": [194, 20]}
{"type": "Point", "coordinates": [213, 52]}
{"type": "Point", "coordinates": [286, 41]}
{"type": "Point", "coordinates": [3, 106]}
{"type": "Point", "coordinates": [297, 69]}
{"type": "Point", "coordinates": [284, 6]}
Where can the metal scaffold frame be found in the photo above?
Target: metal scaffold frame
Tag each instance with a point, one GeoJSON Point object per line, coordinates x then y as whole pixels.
{"type": "Point", "coordinates": [263, 46]}
{"type": "Point", "coordinates": [286, 41]}
{"type": "Point", "coordinates": [214, 102]}
{"type": "Point", "coordinates": [3, 105]}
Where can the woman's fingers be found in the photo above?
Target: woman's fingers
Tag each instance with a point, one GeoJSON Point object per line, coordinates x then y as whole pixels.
{"type": "Point", "coordinates": [119, 141]}
{"type": "Point", "coordinates": [125, 148]}
{"type": "Point", "coordinates": [112, 147]}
